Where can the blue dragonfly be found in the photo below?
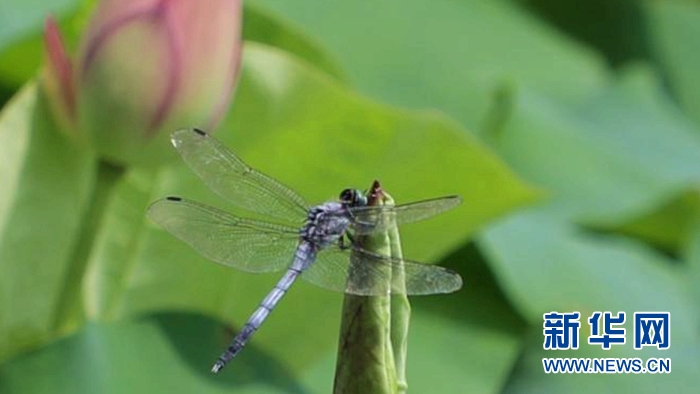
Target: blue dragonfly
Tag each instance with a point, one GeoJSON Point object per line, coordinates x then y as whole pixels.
{"type": "Point", "coordinates": [311, 242]}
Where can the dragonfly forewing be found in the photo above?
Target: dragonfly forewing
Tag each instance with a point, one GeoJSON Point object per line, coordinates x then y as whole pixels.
{"type": "Point", "coordinates": [227, 175]}
{"type": "Point", "coordinates": [246, 244]}
{"type": "Point", "coordinates": [378, 218]}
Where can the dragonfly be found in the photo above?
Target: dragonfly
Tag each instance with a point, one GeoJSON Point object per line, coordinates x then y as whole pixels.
{"type": "Point", "coordinates": [311, 242]}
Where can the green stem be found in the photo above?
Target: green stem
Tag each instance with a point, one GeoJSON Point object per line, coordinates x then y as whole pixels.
{"type": "Point", "coordinates": [372, 347]}
{"type": "Point", "coordinates": [70, 312]}
{"type": "Point", "coordinates": [400, 314]}
{"type": "Point", "coordinates": [500, 112]}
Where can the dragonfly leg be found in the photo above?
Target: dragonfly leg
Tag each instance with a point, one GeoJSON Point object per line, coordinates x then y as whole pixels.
{"type": "Point", "coordinates": [346, 245]}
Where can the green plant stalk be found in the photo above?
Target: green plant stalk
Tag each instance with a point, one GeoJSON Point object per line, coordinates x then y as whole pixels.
{"type": "Point", "coordinates": [500, 111]}
{"type": "Point", "coordinates": [372, 346]}
{"type": "Point", "coordinates": [400, 311]}
{"type": "Point", "coordinates": [70, 312]}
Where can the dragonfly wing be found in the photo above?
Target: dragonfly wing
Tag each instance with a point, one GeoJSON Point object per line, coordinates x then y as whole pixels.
{"type": "Point", "coordinates": [248, 245]}
{"type": "Point", "coordinates": [370, 219]}
{"type": "Point", "coordinates": [366, 273]}
{"type": "Point", "coordinates": [227, 175]}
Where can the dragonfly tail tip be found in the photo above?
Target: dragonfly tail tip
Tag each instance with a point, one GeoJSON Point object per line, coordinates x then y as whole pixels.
{"type": "Point", "coordinates": [217, 367]}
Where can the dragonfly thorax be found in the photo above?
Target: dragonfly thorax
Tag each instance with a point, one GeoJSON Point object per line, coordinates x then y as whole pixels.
{"type": "Point", "coordinates": [326, 223]}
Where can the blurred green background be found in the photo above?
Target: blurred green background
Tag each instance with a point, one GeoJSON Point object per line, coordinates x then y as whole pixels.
{"type": "Point", "coordinates": [571, 129]}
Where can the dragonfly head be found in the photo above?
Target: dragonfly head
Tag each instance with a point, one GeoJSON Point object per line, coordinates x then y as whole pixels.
{"type": "Point", "coordinates": [353, 198]}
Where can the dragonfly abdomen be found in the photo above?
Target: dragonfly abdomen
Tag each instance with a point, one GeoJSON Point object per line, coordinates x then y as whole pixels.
{"type": "Point", "coordinates": [304, 256]}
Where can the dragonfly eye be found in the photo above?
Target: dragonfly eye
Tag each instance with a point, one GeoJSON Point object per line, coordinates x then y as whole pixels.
{"type": "Point", "coordinates": [347, 196]}
{"type": "Point", "coordinates": [353, 197]}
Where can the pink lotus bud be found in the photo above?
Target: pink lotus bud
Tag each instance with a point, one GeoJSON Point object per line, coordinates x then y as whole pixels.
{"type": "Point", "coordinates": [58, 77]}
{"type": "Point", "coordinates": [144, 69]}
